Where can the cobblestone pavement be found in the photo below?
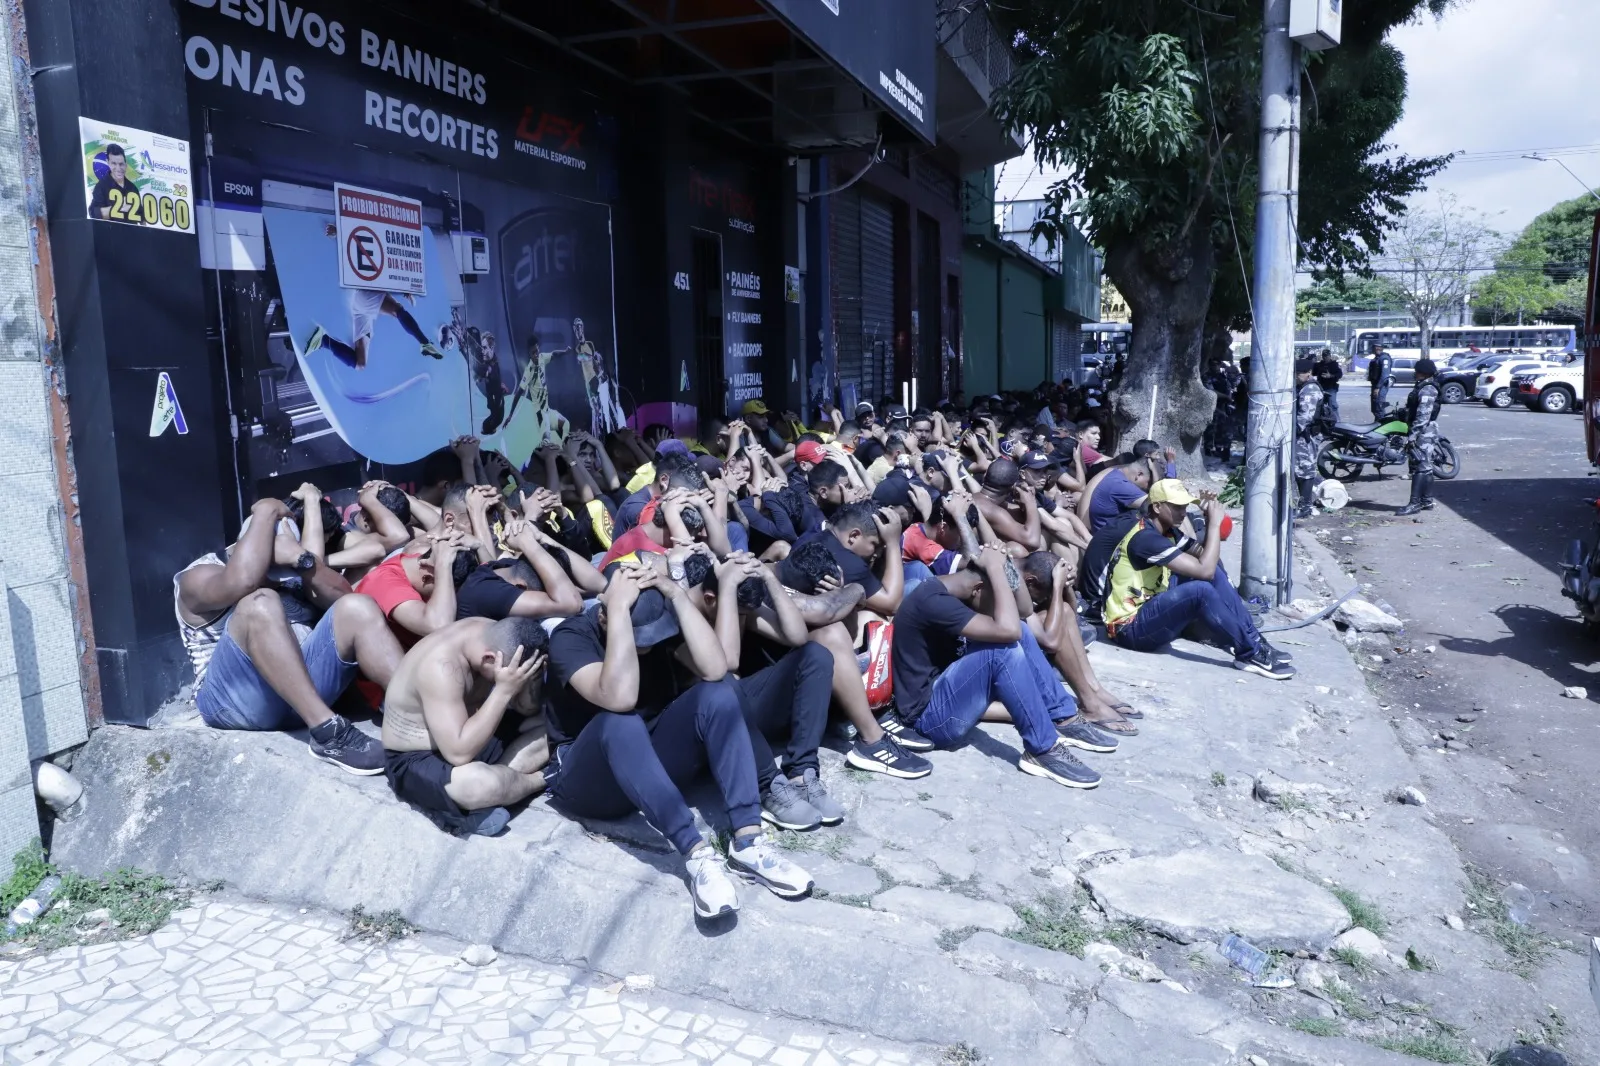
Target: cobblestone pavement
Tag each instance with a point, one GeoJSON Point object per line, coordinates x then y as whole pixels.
{"type": "Point", "coordinates": [236, 982]}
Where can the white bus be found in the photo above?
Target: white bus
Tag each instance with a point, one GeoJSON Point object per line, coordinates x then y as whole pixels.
{"type": "Point", "coordinates": [1405, 345]}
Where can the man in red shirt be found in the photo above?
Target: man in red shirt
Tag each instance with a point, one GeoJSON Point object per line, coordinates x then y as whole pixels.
{"type": "Point", "coordinates": [681, 516]}
{"type": "Point", "coordinates": [407, 589]}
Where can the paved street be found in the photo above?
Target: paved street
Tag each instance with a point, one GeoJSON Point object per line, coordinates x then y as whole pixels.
{"type": "Point", "coordinates": [241, 982]}
{"type": "Point", "coordinates": [1477, 580]}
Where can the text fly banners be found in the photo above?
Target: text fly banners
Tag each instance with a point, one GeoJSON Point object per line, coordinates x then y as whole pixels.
{"type": "Point", "coordinates": [885, 45]}
{"type": "Point", "coordinates": [136, 177]}
{"type": "Point", "coordinates": [380, 241]}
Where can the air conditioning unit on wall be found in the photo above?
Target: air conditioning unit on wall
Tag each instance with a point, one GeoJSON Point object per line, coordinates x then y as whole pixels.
{"type": "Point", "coordinates": [1314, 24]}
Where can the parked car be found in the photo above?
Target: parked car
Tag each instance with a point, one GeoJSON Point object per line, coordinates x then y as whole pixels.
{"type": "Point", "coordinates": [1459, 379]}
{"type": "Point", "coordinates": [1555, 391]}
{"type": "Point", "coordinates": [1494, 385]}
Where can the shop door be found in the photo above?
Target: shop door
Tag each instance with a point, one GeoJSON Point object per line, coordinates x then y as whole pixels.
{"type": "Point", "coordinates": [930, 317]}
{"type": "Point", "coordinates": [861, 245]}
{"type": "Point", "coordinates": [706, 285]}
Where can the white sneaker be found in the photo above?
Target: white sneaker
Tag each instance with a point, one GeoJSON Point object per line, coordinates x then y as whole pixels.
{"type": "Point", "coordinates": [764, 864]}
{"type": "Point", "coordinates": [713, 890]}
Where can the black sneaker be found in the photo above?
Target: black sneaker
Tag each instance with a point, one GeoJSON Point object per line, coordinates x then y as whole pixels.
{"type": "Point", "coordinates": [1261, 661]}
{"type": "Point", "coordinates": [348, 748]}
{"type": "Point", "coordinates": [888, 757]}
{"type": "Point", "coordinates": [1061, 766]}
{"type": "Point", "coordinates": [1087, 632]}
{"type": "Point", "coordinates": [1278, 654]}
{"type": "Point", "coordinates": [1080, 733]}
{"type": "Point", "coordinates": [909, 738]}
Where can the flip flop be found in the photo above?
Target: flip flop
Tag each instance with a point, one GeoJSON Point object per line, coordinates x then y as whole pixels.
{"type": "Point", "coordinates": [1126, 711]}
{"type": "Point", "coordinates": [1121, 727]}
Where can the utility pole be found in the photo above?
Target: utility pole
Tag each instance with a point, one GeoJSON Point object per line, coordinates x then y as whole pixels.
{"type": "Point", "coordinates": [1269, 430]}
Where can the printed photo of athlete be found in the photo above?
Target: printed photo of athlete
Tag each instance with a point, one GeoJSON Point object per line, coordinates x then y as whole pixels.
{"type": "Point", "coordinates": [480, 350]}
{"type": "Point", "coordinates": [606, 412]}
{"type": "Point", "coordinates": [365, 307]}
{"type": "Point", "coordinates": [531, 386]}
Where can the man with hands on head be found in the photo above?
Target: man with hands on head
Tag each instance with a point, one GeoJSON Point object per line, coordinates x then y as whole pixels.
{"type": "Point", "coordinates": [416, 590]}
{"type": "Point", "coordinates": [441, 714]}
{"type": "Point", "coordinates": [382, 525]}
{"type": "Point", "coordinates": [262, 659]}
{"type": "Point", "coordinates": [536, 585]}
{"type": "Point", "coordinates": [628, 736]}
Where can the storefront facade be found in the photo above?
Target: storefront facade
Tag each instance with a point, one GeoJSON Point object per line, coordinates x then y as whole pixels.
{"type": "Point", "coordinates": [374, 227]}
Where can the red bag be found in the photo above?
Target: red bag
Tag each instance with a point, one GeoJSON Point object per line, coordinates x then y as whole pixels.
{"type": "Point", "coordinates": [876, 667]}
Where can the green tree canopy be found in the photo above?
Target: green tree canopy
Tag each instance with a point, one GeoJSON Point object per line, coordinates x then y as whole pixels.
{"type": "Point", "coordinates": [1543, 272]}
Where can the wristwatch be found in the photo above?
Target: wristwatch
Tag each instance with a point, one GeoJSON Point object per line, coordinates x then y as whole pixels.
{"type": "Point", "coordinates": [676, 571]}
{"type": "Point", "coordinates": [306, 563]}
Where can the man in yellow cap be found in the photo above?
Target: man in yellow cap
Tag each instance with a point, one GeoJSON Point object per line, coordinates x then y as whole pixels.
{"type": "Point", "coordinates": [1152, 580]}
{"type": "Point", "coordinates": [758, 417]}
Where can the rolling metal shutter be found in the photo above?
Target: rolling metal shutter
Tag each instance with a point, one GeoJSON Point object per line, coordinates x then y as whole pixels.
{"type": "Point", "coordinates": [861, 244]}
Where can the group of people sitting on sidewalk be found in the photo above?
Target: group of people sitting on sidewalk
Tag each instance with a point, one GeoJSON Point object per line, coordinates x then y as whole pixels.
{"type": "Point", "coordinates": [624, 617]}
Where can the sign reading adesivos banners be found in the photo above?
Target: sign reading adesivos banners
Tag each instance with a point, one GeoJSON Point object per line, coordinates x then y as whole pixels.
{"type": "Point", "coordinates": [136, 177]}
{"type": "Point", "coordinates": [380, 241]}
{"type": "Point", "coordinates": [364, 75]}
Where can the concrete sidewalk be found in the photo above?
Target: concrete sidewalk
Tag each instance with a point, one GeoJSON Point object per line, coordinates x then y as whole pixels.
{"type": "Point", "coordinates": [924, 891]}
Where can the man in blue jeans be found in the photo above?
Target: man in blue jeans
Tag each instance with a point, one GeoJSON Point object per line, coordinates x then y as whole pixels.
{"type": "Point", "coordinates": [960, 646]}
{"type": "Point", "coordinates": [628, 736]}
{"type": "Point", "coordinates": [1158, 584]}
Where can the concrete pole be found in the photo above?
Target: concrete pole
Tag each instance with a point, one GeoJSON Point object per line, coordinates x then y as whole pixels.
{"type": "Point", "coordinates": [1269, 430]}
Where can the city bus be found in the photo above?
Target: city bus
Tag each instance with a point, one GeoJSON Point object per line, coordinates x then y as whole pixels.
{"type": "Point", "coordinates": [1405, 345]}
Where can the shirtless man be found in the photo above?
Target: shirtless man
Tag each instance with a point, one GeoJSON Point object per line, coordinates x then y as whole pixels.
{"type": "Point", "coordinates": [440, 715]}
{"type": "Point", "coordinates": [1010, 507]}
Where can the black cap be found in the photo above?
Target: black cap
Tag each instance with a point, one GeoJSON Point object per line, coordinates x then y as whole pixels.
{"type": "Point", "coordinates": [893, 491]}
{"type": "Point", "coordinates": [895, 412]}
{"type": "Point", "coordinates": [1424, 368]}
{"type": "Point", "coordinates": [1304, 365]}
{"type": "Point", "coordinates": [653, 620]}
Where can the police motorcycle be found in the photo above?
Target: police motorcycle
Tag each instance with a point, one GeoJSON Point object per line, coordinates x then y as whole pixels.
{"type": "Point", "coordinates": [1348, 448]}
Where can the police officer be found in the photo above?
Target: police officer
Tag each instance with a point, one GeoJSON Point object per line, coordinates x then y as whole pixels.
{"type": "Point", "coordinates": [1380, 375]}
{"type": "Point", "coordinates": [1308, 399]}
{"type": "Point", "coordinates": [1422, 410]}
{"type": "Point", "coordinates": [1328, 372]}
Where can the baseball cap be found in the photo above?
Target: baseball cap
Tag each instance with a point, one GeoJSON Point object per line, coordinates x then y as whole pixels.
{"type": "Point", "coordinates": [672, 446]}
{"type": "Point", "coordinates": [1304, 365]}
{"type": "Point", "coordinates": [1032, 460]}
{"type": "Point", "coordinates": [754, 407]}
{"type": "Point", "coordinates": [1170, 490]}
{"type": "Point", "coordinates": [865, 407]}
{"type": "Point", "coordinates": [895, 412]}
{"type": "Point", "coordinates": [709, 465]}
{"type": "Point", "coordinates": [809, 451]}
{"type": "Point", "coordinates": [893, 491]}
{"type": "Point", "coordinates": [653, 619]}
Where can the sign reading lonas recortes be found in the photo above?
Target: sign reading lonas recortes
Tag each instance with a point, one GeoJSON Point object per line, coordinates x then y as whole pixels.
{"type": "Point", "coordinates": [380, 241]}
{"type": "Point", "coordinates": [136, 177]}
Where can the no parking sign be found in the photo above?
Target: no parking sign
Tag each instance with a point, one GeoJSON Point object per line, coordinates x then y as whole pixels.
{"type": "Point", "coordinates": [380, 241]}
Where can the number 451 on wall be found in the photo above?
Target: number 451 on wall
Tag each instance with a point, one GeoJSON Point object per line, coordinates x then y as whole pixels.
{"type": "Point", "coordinates": [680, 281]}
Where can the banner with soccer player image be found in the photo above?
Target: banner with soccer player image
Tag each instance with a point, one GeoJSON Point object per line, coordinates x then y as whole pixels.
{"type": "Point", "coordinates": [514, 348]}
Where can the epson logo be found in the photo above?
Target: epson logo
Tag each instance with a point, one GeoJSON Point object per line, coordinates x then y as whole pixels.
{"type": "Point", "coordinates": [236, 189]}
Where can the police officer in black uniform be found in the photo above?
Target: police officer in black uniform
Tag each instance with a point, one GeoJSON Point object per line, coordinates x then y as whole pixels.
{"type": "Point", "coordinates": [1380, 375]}
{"type": "Point", "coordinates": [1328, 373]}
{"type": "Point", "coordinates": [1308, 398]}
{"type": "Point", "coordinates": [1422, 411]}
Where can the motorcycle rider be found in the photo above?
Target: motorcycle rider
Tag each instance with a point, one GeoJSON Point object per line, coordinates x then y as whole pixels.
{"type": "Point", "coordinates": [1328, 372]}
{"type": "Point", "coordinates": [1422, 411]}
{"type": "Point", "coordinates": [1308, 402]}
{"type": "Point", "coordinates": [1380, 375]}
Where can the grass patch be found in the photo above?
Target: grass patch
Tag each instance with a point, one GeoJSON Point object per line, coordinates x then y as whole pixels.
{"type": "Point", "coordinates": [377, 928]}
{"type": "Point", "coordinates": [962, 1054]}
{"type": "Point", "coordinates": [1058, 924]}
{"type": "Point", "coordinates": [134, 904]}
{"type": "Point", "coordinates": [832, 845]}
{"type": "Point", "coordinates": [1417, 961]}
{"type": "Point", "coordinates": [1355, 960]}
{"type": "Point", "coordinates": [1219, 779]}
{"type": "Point", "coordinates": [845, 898]}
{"type": "Point", "coordinates": [1363, 911]}
{"type": "Point", "coordinates": [1289, 803]}
{"type": "Point", "coordinates": [1524, 946]}
{"type": "Point", "coordinates": [1432, 1048]}
{"type": "Point", "coordinates": [1551, 1030]}
{"type": "Point", "coordinates": [28, 868]}
{"type": "Point", "coordinates": [924, 797]}
{"type": "Point", "coordinates": [1288, 865]}
{"type": "Point", "coordinates": [1317, 1026]}
{"type": "Point", "coordinates": [1349, 999]}
{"type": "Point", "coordinates": [950, 939]}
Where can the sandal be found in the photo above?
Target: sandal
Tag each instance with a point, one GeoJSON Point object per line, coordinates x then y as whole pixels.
{"type": "Point", "coordinates": [1126, 711]}
{"type": "Point", "coordinates": [1118, 727]}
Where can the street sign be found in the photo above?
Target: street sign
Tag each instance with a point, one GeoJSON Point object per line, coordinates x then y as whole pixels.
{"type": "Point", "coordinates": [380, 241]}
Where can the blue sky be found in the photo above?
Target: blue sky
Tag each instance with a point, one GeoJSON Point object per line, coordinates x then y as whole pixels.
{"type": "Point", "coordinates": [1491, 76]}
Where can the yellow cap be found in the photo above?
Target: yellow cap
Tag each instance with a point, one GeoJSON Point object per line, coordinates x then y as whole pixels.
{"type": "Point", "coordinates": [754, 407]}
{"type": "Point", "coordinates": [1170, 490]}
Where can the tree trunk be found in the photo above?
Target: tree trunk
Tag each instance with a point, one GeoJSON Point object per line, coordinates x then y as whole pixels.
{"type": "Point", "coordinates": [1168, 289]}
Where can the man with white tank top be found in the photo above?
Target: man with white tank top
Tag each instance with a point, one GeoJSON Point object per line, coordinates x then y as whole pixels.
{"type": "Point", "coordinates": [266, 661]}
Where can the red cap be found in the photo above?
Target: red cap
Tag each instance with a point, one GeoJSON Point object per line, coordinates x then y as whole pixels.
{"type": "Point", "coordinates": [1225, 527]}
{"type": "Point", "coordinates": [809, 451]}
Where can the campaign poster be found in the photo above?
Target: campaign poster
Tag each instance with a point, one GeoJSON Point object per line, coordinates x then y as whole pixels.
{"type": "Point", "coordinates": [380, 241]}
{"type": "Point", "coordinates": [136, 177]}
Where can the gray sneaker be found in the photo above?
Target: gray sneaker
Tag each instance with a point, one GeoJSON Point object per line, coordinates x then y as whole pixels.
{"type": "Point", "coordinates": [825, 805]}
{"type": "Point", "coordinates": [785, 806]}
{"type": "Point", "coordinates": [756, 860]}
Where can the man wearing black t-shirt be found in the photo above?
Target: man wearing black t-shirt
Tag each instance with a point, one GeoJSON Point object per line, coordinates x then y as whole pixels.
{"type": "Point", "coordinates": [117, 179]}
{"type": "Point", "coordinates": [960, 645]}
{"type": "Point", "coordinates": [535, 586]}
{"type": "Point", "coordinates": [626, 739]}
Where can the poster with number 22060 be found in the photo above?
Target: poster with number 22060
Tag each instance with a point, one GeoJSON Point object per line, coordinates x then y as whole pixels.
{"type": "Point", "coordinates": [136, 177]}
